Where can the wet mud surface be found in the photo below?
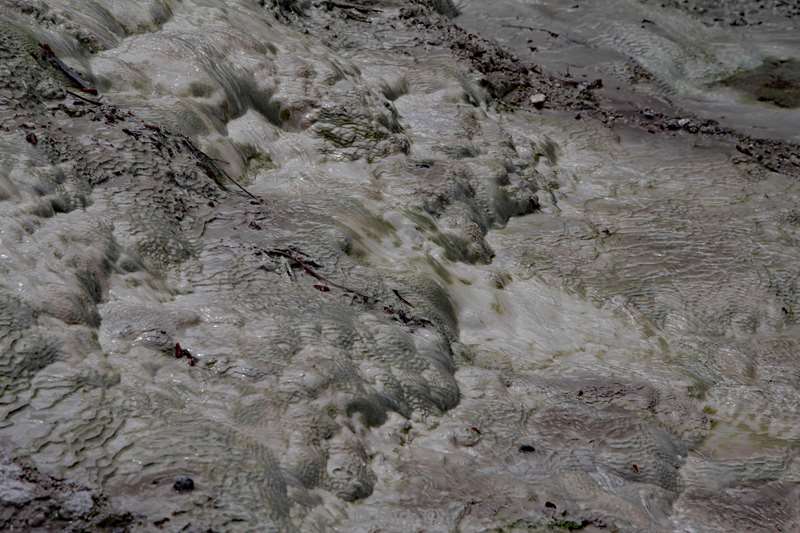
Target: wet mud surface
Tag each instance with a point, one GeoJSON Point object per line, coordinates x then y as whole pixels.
{"type": "Point", "coordinates": [378, 266]}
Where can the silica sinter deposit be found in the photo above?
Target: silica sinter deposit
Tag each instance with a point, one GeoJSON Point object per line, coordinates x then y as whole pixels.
{"type": "Point", "coordinates": [399, 265]}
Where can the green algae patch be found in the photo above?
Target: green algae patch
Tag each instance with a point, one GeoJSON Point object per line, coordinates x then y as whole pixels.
{"type": "Point", "coordinates": [698, 390]}
{"type": "Point", "coordinates": [260, 162]}
{"type": "Point", "coordinates": [440, 270]}
{"type": "Point", "coordinates": [776, 81]}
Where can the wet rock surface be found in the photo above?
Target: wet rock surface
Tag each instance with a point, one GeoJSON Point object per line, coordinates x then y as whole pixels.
{"type": "Point", "coordinates": [338, 266]}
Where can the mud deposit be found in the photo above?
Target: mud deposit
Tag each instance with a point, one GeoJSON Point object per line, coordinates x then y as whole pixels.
{"type": "Point", "coordinates": [398, 266]}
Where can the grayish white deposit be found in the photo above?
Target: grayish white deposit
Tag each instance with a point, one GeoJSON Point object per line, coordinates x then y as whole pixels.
{"type": "Point", "coordinates": [437, 314]}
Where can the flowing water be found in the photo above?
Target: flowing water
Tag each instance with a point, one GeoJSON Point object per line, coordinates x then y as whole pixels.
{"type": "Point", "coordinates": [431, 315]}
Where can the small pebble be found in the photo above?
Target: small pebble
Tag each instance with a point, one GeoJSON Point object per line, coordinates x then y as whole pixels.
{"type": "Point", "coordinates": [538, 100]}
{"type": "Point", "coordinates": [183, 484]}
{"type": "Point", "coordinates": [37, 520]}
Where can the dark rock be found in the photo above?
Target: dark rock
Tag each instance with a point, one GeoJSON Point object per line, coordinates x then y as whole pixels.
{"type": "Point", "coordinates": [37, 520]}
{"type": "Point", "coordinates": [183, 484]}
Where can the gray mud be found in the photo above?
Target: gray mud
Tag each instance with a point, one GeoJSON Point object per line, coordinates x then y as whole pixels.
{"type": "Point", "coordinates": [392, 266]}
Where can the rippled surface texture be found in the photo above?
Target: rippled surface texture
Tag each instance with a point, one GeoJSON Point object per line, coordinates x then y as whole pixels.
{"type": "Point", "coordinates": [421, 311]}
